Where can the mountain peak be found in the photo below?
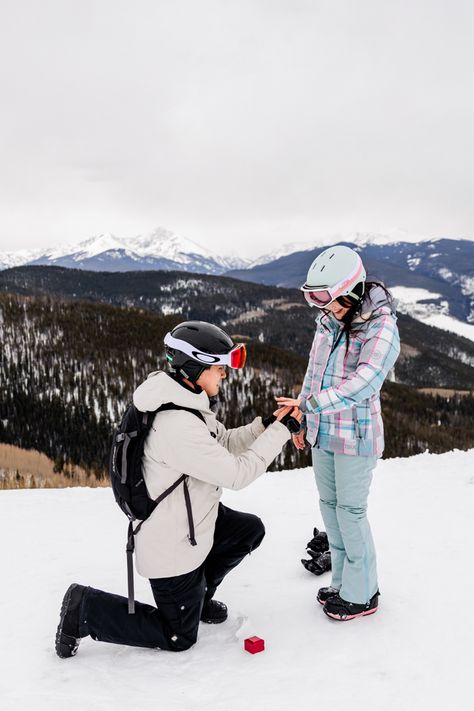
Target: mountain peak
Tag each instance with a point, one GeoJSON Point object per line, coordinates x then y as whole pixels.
{"type": "Point", "coordinates": [166, 244]}
{"type": "Point", "coordinates": [88, 248]}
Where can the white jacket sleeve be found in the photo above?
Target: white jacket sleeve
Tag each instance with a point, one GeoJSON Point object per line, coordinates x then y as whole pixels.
{"type": "Point", "coordinates": [187, 446]}
{"type": "Point", "coordinates": [238, 439]}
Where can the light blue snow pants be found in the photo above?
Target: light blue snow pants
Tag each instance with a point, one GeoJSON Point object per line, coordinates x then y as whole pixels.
{"type": "Point", "coordinates": [343, 483]}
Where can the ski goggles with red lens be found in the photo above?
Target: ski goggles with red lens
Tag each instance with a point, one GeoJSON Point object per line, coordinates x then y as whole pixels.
{"type": "Point", "coordinates": [235, 358]}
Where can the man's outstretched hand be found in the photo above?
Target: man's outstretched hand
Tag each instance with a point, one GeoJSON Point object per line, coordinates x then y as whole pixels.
{"type": "Point", "coordinates": [286, 402]}
{"type": "Point", "coordinates": [287, 416]}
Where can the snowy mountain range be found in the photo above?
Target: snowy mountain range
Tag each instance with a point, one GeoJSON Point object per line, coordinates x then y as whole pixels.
{"type": "Point", "coordinates": [163, 249]}
{"type": "Point", "coordinates": [438, 272]}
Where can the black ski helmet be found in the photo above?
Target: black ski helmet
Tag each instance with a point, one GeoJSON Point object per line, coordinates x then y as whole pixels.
{"type": "Point", "coordinates": [203, 343]}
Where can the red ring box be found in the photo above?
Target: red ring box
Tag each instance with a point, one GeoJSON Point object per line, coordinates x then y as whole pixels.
{"type": "Point", "coordinates": [254, 645]}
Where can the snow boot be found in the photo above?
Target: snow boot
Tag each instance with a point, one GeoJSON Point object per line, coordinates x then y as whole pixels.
{"type": "Point", "coordinates": [325, 593]}
{"type": "Point", "coordinates": [339, 609]}
{"type": "Point", "coordinates": [213, 612]}
{"type": "Point", "coordinates": [67, 634]}
{"type": "Point", "coordinates": [319, 563]}
{"type": "Point", "coordinates": [319, 543]}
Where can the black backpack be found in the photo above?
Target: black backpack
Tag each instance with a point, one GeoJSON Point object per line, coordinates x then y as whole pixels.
{"type": "Point", "coordinates": [128, 484]}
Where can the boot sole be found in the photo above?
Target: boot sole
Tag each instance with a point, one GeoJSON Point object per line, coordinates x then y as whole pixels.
{"type": "Point", "coordinates": [338, 618]}
{"type": "Point", "coordinates": [63, 650]}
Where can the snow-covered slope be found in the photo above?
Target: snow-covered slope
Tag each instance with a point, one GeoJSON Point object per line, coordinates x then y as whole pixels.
{"type": "Point", "coordinates": [430, 309]}
{"type": "Point", "coordinates": [18, 258]}
{"type": "Point", "coordinates": [415, 654]}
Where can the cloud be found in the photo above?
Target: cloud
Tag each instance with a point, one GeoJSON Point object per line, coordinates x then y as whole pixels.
{"type": "Point", "coordinates": [243, 119]}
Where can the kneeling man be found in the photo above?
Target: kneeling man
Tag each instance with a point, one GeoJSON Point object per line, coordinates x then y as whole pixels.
{"type": "Point", "coordinates": [184, 568]}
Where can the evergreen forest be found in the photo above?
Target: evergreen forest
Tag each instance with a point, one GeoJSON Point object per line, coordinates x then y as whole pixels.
{"type": "Point", "coordinates": [70, 360]}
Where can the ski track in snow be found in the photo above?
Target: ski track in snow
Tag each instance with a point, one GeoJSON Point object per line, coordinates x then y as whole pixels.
{"type": "Point", "coordinates": [414, 654]}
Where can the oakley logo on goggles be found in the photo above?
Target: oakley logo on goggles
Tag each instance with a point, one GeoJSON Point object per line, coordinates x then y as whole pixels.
{"type": "Point", "coordinates": [234, 359]}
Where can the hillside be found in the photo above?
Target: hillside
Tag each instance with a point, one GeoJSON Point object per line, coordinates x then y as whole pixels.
{"type": "Point", "coordinates": [72, 366]}
{"type": "Point", "coordinates": [278, 317]}
{"type": "Point", "coordinates": [415, 653]}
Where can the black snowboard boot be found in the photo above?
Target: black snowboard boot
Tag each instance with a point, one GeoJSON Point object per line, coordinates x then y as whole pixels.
{"type": "Point", "coordinates": [67, 635]}
{"type": "Point", "coordinates": [319, 563]}
{"type": "Point", "coordinates": [339, 609]}
{"type": "Point", "coordinates": [319, 543]}
{"type": "Point", "coordinates": [213, 612]}
{"type": "Point", "coordinates": [325, 593]}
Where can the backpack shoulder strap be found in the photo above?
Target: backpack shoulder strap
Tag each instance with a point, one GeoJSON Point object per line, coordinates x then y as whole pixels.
{"type": "Point", "coordinates": [147, 421]}
{"type": "Point", "coordinates": [172, 406]}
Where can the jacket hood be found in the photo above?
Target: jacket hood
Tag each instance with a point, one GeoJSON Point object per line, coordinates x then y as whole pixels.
{"type": "Point", "coordinates": [160, 388]}
{"type": "Point", "coordinates": [374, 300]}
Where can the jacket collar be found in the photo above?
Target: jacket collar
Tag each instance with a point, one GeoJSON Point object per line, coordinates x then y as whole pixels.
{"type": "Point", "coordinates": [160, 388]}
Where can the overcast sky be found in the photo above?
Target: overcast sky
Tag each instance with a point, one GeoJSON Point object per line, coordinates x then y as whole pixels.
{"type": "Point", "coordinates": [244, 122]}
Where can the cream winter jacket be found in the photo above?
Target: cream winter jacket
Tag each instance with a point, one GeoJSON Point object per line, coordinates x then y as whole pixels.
{"type": "Point", "coordinates": [180, 443]}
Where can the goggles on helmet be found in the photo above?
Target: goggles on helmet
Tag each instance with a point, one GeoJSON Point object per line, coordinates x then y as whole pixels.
{"type": "Point", "coordinates": [318, 298]}
{"type": "Point", "coordinates": [235, 358]}
{"type": "Point", "coordinates": [324, 298]}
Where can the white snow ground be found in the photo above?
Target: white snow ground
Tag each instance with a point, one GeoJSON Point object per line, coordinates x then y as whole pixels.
{"type": "Point", "coordinates": [415, 653]}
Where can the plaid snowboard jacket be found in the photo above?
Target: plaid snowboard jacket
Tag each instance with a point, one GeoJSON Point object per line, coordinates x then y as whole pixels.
{"type": "Point", "coordinates": [340, 394]}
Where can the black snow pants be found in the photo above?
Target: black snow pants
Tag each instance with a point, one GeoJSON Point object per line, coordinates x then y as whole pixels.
{"type": "Point", "coordinates": [173, 624]}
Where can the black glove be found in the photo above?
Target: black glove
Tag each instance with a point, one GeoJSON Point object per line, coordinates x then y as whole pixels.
{"type": "Point", "coordinates": [291, 423]}
{"type": "Point", "coordinates": [318, 564]}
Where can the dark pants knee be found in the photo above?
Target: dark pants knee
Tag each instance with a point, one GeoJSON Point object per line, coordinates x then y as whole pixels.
{"type": "Point", "coordinates": [236, 535]}
{"type": "Point", "coordinates": [259, 532]}
{"type": "Point", "coordinates": [237, 530]}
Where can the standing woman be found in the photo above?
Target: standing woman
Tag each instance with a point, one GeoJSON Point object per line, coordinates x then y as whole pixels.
{"type": "Point", "coordinates": [355, 345]}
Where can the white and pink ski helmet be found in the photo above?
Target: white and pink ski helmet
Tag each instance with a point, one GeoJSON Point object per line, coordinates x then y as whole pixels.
{"type": "Point", "coordinates": [334, 273]}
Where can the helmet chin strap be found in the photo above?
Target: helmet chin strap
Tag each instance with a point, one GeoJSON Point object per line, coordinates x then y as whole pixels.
{"type": "Point", "coordinates": [186, 382]}
{"type": "Point", "coordinates": [191, 373]}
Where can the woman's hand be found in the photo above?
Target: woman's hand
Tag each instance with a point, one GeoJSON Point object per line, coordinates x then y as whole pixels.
{"type": "Point", "coordinates": [288, 410]}
{"type": "Point", "coordinates": [298, 440]}
{"type": "Point", "coordinates": [287, 402]}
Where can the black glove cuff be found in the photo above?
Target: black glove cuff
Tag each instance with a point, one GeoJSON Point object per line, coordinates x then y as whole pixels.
{"type": "Point", "coordinates": [268, 420]}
